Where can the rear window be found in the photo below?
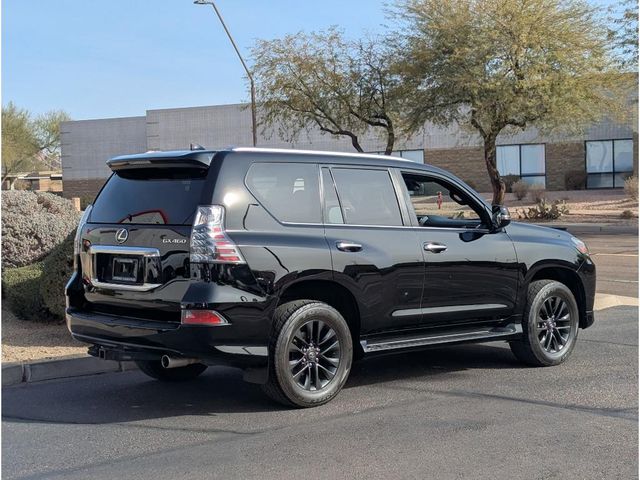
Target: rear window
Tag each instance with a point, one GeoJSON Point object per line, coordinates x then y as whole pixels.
{"type": "Point", "coordinates": [289, 191]}
{"type": "Point", "coordinates": [150, 196]}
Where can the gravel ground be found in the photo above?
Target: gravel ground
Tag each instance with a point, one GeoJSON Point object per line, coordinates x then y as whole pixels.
{"type": "Point", "coordinates": [23, 340]}
{"type": "Point", "coordinates": [585, 206]}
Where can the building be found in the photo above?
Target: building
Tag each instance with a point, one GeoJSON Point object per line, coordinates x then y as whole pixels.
{"type": "Point", "coordinates": [604, 156]}
{"type": "Point", "coordinates": [45, 181]}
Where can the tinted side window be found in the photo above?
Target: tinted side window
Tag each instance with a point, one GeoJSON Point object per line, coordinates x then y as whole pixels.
{"type": "Point", "coordinates": [367, 197]}
{"type": "Point", "coordinates": [289, 191]}
{"type": "Point", "coordinates": [332, 211]}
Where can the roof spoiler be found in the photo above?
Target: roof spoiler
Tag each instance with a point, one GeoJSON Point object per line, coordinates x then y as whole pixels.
{"type": "Point", "coordinates": [190, 159]}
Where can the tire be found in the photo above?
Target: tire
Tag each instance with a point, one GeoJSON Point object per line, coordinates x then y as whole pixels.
{"type": "Point", "coordinates": [551, 307]}
{"type": "Point", "coordinates": [317, 338]}
{"type": "Point", "coordinates": [155, 370]}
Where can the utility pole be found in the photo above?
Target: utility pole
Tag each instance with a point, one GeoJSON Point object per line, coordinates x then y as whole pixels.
{"type": "Point", "coordinates": [244, 65]}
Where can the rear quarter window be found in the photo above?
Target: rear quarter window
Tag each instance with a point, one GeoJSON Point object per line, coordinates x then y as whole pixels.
{"type": "Point", "coordinates": [150, 196]}
{"type": "Point", "coordinates": [289, 191]}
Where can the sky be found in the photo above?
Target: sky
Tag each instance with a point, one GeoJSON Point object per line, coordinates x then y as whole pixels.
{"type": "Point", "coordinates": [113, 58]}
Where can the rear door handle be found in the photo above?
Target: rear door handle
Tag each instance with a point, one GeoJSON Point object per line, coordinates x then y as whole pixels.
{"type": "Point", "coordinates": [434, 247]}
{"type": "Point", "coordinates": [348, 246]}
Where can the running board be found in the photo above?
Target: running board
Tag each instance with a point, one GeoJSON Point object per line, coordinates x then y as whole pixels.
{"type": "Point", "coordinates": [396, 342]}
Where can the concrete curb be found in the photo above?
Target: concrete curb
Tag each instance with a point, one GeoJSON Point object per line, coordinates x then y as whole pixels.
{"type": "Point", "coordinates": [593, 229]}
{"type": "Point", "coordinates": [70, 366]}
{"type": "Point", "coordinates": [81, 365]}
{"type": "Point", "coordinates": [604, 300]}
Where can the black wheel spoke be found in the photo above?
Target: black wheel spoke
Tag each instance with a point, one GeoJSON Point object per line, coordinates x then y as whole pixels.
{"type": "Point", "coordinates": [554, 324]}
{"type": "Point", "coordinates": [314, 355]}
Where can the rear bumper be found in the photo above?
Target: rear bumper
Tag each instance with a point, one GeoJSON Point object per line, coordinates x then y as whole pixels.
{"type": "Point", "coordinates": [129, 338]}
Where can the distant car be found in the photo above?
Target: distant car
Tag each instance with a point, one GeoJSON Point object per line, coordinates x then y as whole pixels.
{"type": "Point", "coordinates": [292, 264]}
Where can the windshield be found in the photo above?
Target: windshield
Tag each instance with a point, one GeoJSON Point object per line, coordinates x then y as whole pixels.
{"type": "Point", "coordinates": [150, 196]}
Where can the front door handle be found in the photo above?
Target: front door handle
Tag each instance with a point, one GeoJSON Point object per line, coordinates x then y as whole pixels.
{"type": "Point", "coordinates": [348, 246]}
{"type": "Point", "coordinates": [434, 247]}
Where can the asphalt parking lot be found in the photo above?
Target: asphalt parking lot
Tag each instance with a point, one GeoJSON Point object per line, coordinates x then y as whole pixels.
{"type": "Point", "coordinates": [616, 257]}
{"type": "Point", "coordinates": [460, 412]}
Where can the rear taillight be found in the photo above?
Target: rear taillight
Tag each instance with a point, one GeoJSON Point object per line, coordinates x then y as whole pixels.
{"type": "Point", "coordinates": [77, 241]}
{"type": "Point", "coordinates": [209, 242]}
{"type": "Point", "coordinates": [202, 317]}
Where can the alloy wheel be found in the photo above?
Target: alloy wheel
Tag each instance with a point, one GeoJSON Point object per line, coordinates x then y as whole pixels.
{"type": "Point", "coordinates": [314, 355]}
{"type": "Point", "coordinates": [554, 325]}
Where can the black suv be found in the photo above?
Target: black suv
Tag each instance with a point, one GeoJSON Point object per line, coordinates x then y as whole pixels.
{"type": "Point", "coordinates": [292, 264]}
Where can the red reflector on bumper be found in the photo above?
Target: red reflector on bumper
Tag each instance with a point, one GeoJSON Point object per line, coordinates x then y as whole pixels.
{"type": "Point", "coordinates": [202, 317]}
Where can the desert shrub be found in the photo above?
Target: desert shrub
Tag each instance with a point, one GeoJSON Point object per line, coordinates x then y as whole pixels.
{"type": "Point", "coordinates": [21, 290]}
{"type": "Point", "coordinates": [509, 180]}
{"type": "Point", "coordinates": [543, 211]}
{"type": "Point", "coordinates": [627, 214]}
{"type": "Point", "coordinates": [575, 180]}
{"type": "Point", "coordinates": [86, 200]}
{"type": "Point", "coordinates": [536, 193]}
{"type": "Point", "coordinates": [33, 223]}
{"type": "Point", "coordinates": [57, 268]}
{"type": "Point", "coordinates": [520, 189]}
{"type": "Point", "coordinates": [631, 187]}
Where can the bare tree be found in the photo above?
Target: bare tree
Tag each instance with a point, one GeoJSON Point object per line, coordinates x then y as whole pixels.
{"type": "Point", "coordinates": [322, 80]}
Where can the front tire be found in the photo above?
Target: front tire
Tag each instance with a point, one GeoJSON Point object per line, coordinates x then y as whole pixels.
{"type": "Point", "coordinates": [154, 369]}
{"type": "Point", "coordinates": [310, 354]}
{"type": "Point", "coordinates": [549, 325]}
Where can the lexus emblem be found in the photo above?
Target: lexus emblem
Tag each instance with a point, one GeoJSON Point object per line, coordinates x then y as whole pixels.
{"type": "Point", "coordinates": [122, 235]}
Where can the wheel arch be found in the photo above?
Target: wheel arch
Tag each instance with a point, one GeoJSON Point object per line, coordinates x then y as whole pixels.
{"type": "Point", "coordinates": [568, 277]}
{"type": "Point", "coordinates": [331, 293]}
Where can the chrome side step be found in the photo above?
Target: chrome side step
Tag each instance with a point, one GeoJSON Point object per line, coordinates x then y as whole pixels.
{"type": "Point", "coordinates": [396, 342]}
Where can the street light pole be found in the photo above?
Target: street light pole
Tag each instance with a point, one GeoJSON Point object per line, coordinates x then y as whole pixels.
{"type": "Point", "coordinates": [244, 65]}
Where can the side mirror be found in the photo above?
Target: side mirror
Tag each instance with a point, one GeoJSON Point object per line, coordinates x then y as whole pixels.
{"type": "Point", "coordinates": [500, 216]}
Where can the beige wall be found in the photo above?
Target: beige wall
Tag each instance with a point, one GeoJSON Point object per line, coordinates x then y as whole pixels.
{"type": "Point", "coordinates": [563, 158]}
{"type": "Point", "coordinates": [468, 163]}
{"type": "Point", "coordinates": [82, 188]}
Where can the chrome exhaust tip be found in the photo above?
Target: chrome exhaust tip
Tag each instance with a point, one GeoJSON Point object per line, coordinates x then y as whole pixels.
{"type": "Point", "coordinates": [175, 362]}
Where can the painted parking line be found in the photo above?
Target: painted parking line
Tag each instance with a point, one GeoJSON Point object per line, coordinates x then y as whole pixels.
{"type": "Point", "coordinates": [614, 254]}
{"type": "Point", "coordinates": [616, 280]}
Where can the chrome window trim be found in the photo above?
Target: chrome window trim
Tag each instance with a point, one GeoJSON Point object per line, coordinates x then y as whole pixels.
{"type": "Point", "coordinates": [405, 227]}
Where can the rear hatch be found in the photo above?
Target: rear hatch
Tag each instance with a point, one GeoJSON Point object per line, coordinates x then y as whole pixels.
{"type": "Point", "coordinates": [135, 245]}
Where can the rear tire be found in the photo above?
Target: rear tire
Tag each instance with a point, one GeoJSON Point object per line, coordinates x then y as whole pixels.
{"type": "Point", "coordinates": [549, 325]}
{"type": "Point", "coordinates": [154, 369]}
{"type": "Point", "coordinates": [310, 354]}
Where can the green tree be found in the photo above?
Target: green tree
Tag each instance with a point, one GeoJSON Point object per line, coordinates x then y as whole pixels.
{"type": "Point", "coordinates": [19, 142]}
{"type": "Point", "coordinates": [47, 131]}
{"type": "Point", "coordinates": [30, 143]}
{"type": "Point", "coordinates": [496, 66]}
{"type": "Point", "coordinates": [322, 80]}
{"type": "Point", "coordinates": [624, 33]}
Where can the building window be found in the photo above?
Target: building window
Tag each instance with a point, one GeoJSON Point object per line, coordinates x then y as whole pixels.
{"type": "Point", "coordinates": [524, 161]}
{"type": "Point", "coordinates": [609, 163]}
{"type": "Point", "coordinates": [412, 155]}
